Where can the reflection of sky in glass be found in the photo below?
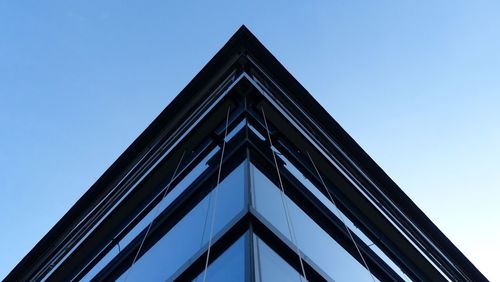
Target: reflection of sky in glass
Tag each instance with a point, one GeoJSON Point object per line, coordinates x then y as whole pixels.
{"type": "Point", "coordinates": [313, 241]}
{"type": "Point", "coordinates": [191, 233]}
{"type": "Point", "coordinates": [229, 266]}
{"type": "Point", "coordinates": [271, 267]}
{"type": "Point", "coordinates": [173, 193]}
{"type": "Point", "coordinates": [340, 215]}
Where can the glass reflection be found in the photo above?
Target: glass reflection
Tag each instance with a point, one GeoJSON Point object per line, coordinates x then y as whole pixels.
{"type": "Point", "coordinates": [340, 215]}
{"type": "Point", "coordinates": [146, 220]}
{"type": "Point", "coordinates": [235, 130]}
{"type": "Point", "coordinates": [311, 239]}
{"type": "Point", "coordinates": [191, 233]}
{"type": "Point", "coordinates": [270, 267]}
{"type": "Point", "coordinates": [230, 266]}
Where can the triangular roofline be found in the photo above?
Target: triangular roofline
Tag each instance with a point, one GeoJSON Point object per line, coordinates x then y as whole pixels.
{"type": "Point", "coordinates": [234, 55]}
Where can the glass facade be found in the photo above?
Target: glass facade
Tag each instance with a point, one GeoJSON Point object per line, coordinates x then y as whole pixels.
{"type": "Point", "coordinates": [191, 233]}
{"type": "Point", "coordinates": [151, 215]}
{"type": "Point", "coordinates": [310, 239]}
{"type": "Point", "coordinates": [229, 267]}
{"type": "Point", "coordinates": [244, 190]}
{"type": "Point", "coordinates": [269, 266]}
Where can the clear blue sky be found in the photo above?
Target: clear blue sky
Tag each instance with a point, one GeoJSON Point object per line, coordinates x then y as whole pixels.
{"type": "Point", "coordinates": [416, 83]}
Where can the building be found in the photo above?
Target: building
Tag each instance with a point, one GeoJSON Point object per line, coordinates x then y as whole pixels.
{"type": "Point", "coordinates": [244, 177]}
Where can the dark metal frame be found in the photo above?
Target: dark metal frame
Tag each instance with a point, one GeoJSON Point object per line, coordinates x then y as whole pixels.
{"type": "Point", "coordinates": [199, 189]}
{"type": "Point", "coordinates": [324, 218]}
{"type": "Point", "coordinates": [223, 240]}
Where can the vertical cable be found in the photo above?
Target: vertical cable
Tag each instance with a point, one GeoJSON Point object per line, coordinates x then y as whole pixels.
{"type": "Point", "coordinates": [340, 215]}
{"type": "Point", "coordinates": [166, 189]}
{"type": "Point", "coordinates": [216, 190]}
{"type": "Point", "coordinates": [283, 200]}
{"type": "Point", "coordinates": [206, 220]}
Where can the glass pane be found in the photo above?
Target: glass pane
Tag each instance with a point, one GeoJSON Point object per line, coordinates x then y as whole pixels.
{"type": "Point", "coordinates": [191, 233]}
{"type": "Point", "coordinates": [312, 240]}
{"type": "Point", "coordinates": [270, 267]}
{"type": "Point", "coordinates": [230, 266]}
{"type": "Point", "coordinates": [171, 196]}
{"type": "Point", "coordinates": [146, 220]}
{"type": "Point", "coordinates": [340, 215]}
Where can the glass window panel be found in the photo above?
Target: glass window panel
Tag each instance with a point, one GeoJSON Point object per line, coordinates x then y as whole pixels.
{"type": "Point", "coordinates": [312, 240]}
{"type": "Point", "coordinates": [191, 233]}
{"type": "Point", "coordinates": [340, 215]}
{"type": "Point", "coordinates": [270, 267]}
{"type": "Point", "coordinates": [228, 267]}
{"type": "Point", "coordinates": [171, 196]}
{"type": "Point", "coordinates": [144, 222]}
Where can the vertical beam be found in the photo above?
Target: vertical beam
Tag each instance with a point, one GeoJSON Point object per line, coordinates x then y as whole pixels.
{"type": "Point", "coordinates": [249, 245]}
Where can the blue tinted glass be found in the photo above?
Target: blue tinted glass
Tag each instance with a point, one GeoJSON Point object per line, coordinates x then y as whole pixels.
{"type": "Point", "coordinates": [339, 214]}
{"type": "Point", "coordinates": [191, 233]}
{"type": "Point", "coordinates": [144, 222]}
{"type": "Point", "coordinates": [312, 240]}
{"type": "Point", "coordinates": [270, 267]}
{"type": "Point", "coordinates": [169, 198]}
{"type": "Point", "coordinates": [230, 266]}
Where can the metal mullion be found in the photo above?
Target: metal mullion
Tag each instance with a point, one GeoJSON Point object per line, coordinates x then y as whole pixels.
{"type": "Point", "coordinates": [342, 202]}
{"type": "Point", "coordinates": [139, 164]}
{"type": "Point", "coordinates": [250, 269]}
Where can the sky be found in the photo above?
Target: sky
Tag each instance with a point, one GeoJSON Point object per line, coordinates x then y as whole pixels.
{"type": "Point", "coordinates": [415, 83]}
